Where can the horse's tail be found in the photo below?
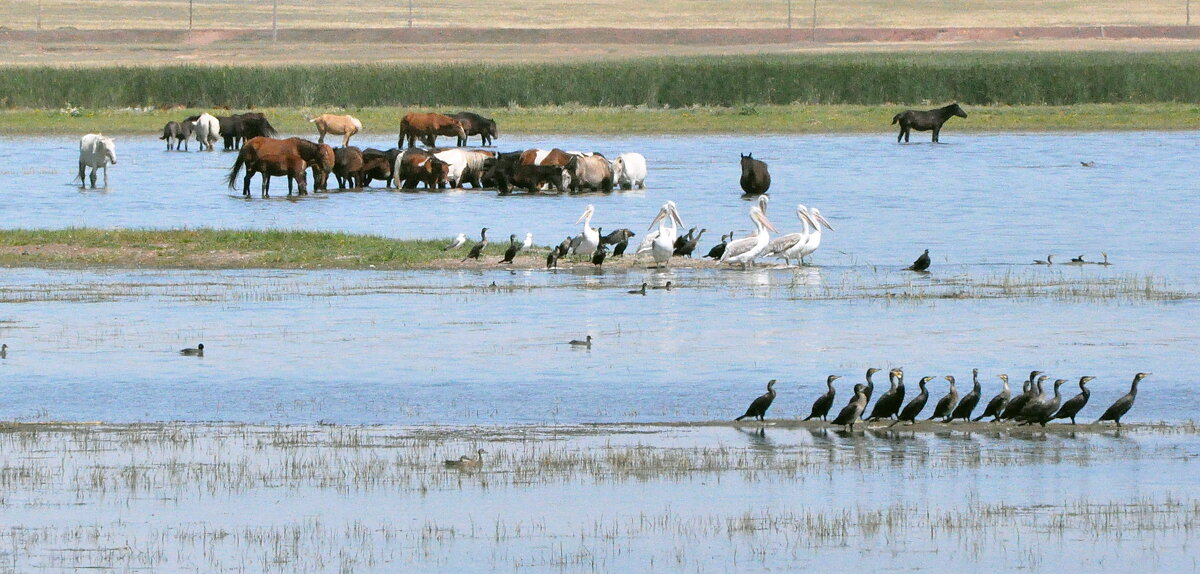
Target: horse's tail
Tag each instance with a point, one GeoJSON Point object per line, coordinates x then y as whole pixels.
{"type": "Point", "coordinates": [237, 166]}
{"type": "Point", "coordinates": [896, 118]}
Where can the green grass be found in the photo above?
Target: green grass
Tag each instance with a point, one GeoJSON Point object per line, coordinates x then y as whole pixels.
{"type": "Point", "coordinates": [974, 78]}
{"type": "Point", "coordinates": [749, 119]}
{"type": "Point", "coordinates": [216, 248]}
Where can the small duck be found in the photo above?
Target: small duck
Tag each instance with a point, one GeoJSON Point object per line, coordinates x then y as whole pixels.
{"type": "Point", "coordinates": [586, 343]}
{"type": "Point", "coordinates": [198, 351]}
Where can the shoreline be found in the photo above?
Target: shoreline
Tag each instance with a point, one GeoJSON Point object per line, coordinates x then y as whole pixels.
{"type": "Point", "coordinates": [750, 119]}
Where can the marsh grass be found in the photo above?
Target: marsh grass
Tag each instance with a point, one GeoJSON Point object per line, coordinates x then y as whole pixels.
{"type": "Point", "coordinates": [736, 82]}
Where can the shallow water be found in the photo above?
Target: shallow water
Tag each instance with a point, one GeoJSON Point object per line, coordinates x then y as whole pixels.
{"type": "Point", "coordinates": [622, 498]}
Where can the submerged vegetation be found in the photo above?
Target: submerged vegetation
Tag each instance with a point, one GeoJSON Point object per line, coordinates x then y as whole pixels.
{"type": "Point", "coordinates": [977, 78]}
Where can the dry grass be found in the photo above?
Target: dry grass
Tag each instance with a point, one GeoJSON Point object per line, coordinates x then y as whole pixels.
{"type": "Point", "coordinates": [173, 14]}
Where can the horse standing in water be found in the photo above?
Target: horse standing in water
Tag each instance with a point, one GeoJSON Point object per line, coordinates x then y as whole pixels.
{"type": "Point", "coordinates": [96, 151]}
{"type": "Point", "coordinates": [925, 121]}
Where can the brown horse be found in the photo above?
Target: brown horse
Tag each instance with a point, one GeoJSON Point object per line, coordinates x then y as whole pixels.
{"type": "Point", "coordinates": [320, 158]}
{"type": "Point", "coordinates": [270, 157]}
{"type": "Point", "coordinates": [428, 127]}
{"type": "Point", "coordinates": [344, 126]}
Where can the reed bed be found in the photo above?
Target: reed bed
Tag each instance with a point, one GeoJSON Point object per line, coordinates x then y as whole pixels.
{"type": "Point", "coordinates": [976, 78]}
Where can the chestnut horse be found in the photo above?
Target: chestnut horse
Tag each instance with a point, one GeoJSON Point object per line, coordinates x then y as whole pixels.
{"type": "Point", "coordinates": [270, 157]}
{"type": "Point", "coordinates": [344, 126]}
{"type": "Point", "coordinates": [428, 127]}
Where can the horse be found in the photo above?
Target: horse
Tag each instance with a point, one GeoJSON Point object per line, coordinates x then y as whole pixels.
{"type": "Point", "coordinates": [476, 125]}
{"type": "Point", "coordinates": [207, 130]}
{"type": "Point", "coordinates": [428, 127]}
{"type": "Point", "coordinates": [755, 178]}
{"type": "Point", "coordinates": [925, 121]}
{"type": "Point", "coordinates": [96, 151]}
{"type": "Point", "coordinates": [344, 126]}
{"type": "Point", "coordinates": [177, 134]}
{"type": "Point", "coordinates": [270, 157]}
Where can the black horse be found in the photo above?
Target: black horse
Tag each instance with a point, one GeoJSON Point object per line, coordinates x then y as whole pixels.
{"type": "Point", "coordinates": [925, 121]}
{"type": "Point", "coordinates": [755, 179]}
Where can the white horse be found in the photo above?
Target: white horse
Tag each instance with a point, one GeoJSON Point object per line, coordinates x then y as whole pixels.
{"type": "Point", "coordinates": [96, 151]}
{"type": "Point", "coordinates": [207, 130]}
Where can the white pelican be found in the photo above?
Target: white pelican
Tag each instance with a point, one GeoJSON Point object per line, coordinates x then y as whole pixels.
{"type": "Point", "coordinates": [458, 242]}
{"type": "Point", "coordinates": [528, 241]}
{"type": "Point", "coordinates": [590, 239]}
{"type": "Point", "coordinates": [789, 246]}
{"type": "Point", "coordinates": [661, 242]}
{"type": "Point", "coordinates": [746, 249]}
{"type": "Point", "coordinates": [814, 240]}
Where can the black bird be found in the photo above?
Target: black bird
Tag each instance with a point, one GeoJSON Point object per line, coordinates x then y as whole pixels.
{"type": "Point", "coordinates": [584, 343]}
{"type": "Point", "coordinates": [968, 403]}
{"type": "Point", "coordinates": [870, 388]}
{"type": "Point", "coordinates": [1043, 411]}
{"type": "Point", "coordinates": [689, 246]}
{"type": "Point", "coordinates": [719, 249]}
{"type": "Point", "coordinates": [641, 291]}
{"type": "Point", "coordinates": [513, 248]}
{"type": "Point", "coordinates": [1123, 404]}
{"type": "Point", "coordinates": [552, 259]}
{"type": "Point", "coordinates": [823, 403]}
{"type": "Point", "coordinates": [1076, 403]}
{"type": "Point", "coordinates": [946, 405]}
{"type": "Point", "coordinates": [197, 351]}
{"type": "Point", "coordinates": [1049, 261]}
{"type": "Point", "coordinates": [921, 264]}
{"type": "Point", "coordinates": [759, 407]}
{"type": "Point", "coordinates": [889, 403]}
{"type": "Point", "coordinates": [915, 406]}
{"type": "Point", "coordinates": [477, 249]}
{"type": "Point", "coordinates": [1014, 406]}
{"type": "Point", "coordinates": [853, 411]}
{"type": "Point", "coordinates": [681, 240]}
{"type": "Point", "coordinates": [599, 254]}
{"type": "Point", "coordinates": [997, 404]}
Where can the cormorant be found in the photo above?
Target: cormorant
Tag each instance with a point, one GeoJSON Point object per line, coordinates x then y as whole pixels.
{"type": "Point", "coordinates": [967, 405]}
{"type": "Point", "coordinates": [584, 343]}
{"type": "Point", "coordinates": [823, 403]}
{"type": "Point", "coordinates": [689, 246]}
{"type": "Point", "coordinates": [1123, 404]}
{"type": "Point", "coordinates": [853, 411]}
{"type": "Point", "coordinates": [998, 402]}
{"type": "Point", "coordinates": [1018, 402]}
{"type": "Point", "coordinates": [759, 407]}
{"type": "Point", "coordinates": [197, 351]}
{"type": "Point", "coordinates": [467, 462]}
{"type": "Point", "coordinates": [719, 249]}
{"type": "Point", "coordinates": [921, 264]}
{"type": "Point", "coordinates": [599, 255]}
{"type": "Point", "coordinates": [513, 248]}
{"type": "Point", "coordinates": [1076, 403]}
{"type": "Point", "coordinates": [1049, 261]}
{"type": "Point", "coordinates": [889, 403]}
{"type": "Point", "coordinates": [458, 242]}
{"type": "Point", "coordinates": [914, 407]}
{"type": "Point", "coordinates": [641, 291]}
{"type": "Point", "coordinates": [946, 405]}
{"type": "Point", "coordinates": [477, 249]}
{"type": "Point", "coordinates": [1043, 411]}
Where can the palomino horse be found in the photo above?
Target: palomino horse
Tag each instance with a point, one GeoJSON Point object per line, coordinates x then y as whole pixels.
{"type": "Point", "coordinates": [270, 157]}
{"type": "Point", "coordinates": [344, 126]}
{"type": "Point", "coordinates": [925, 121]}
{"type": "Point", "coordinates": [428, 127]}
{"type": "Point", "coordinates": [96, 151]}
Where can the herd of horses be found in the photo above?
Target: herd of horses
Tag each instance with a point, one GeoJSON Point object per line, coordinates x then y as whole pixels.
{"type": "Point", "coordinates": [259, 152]}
